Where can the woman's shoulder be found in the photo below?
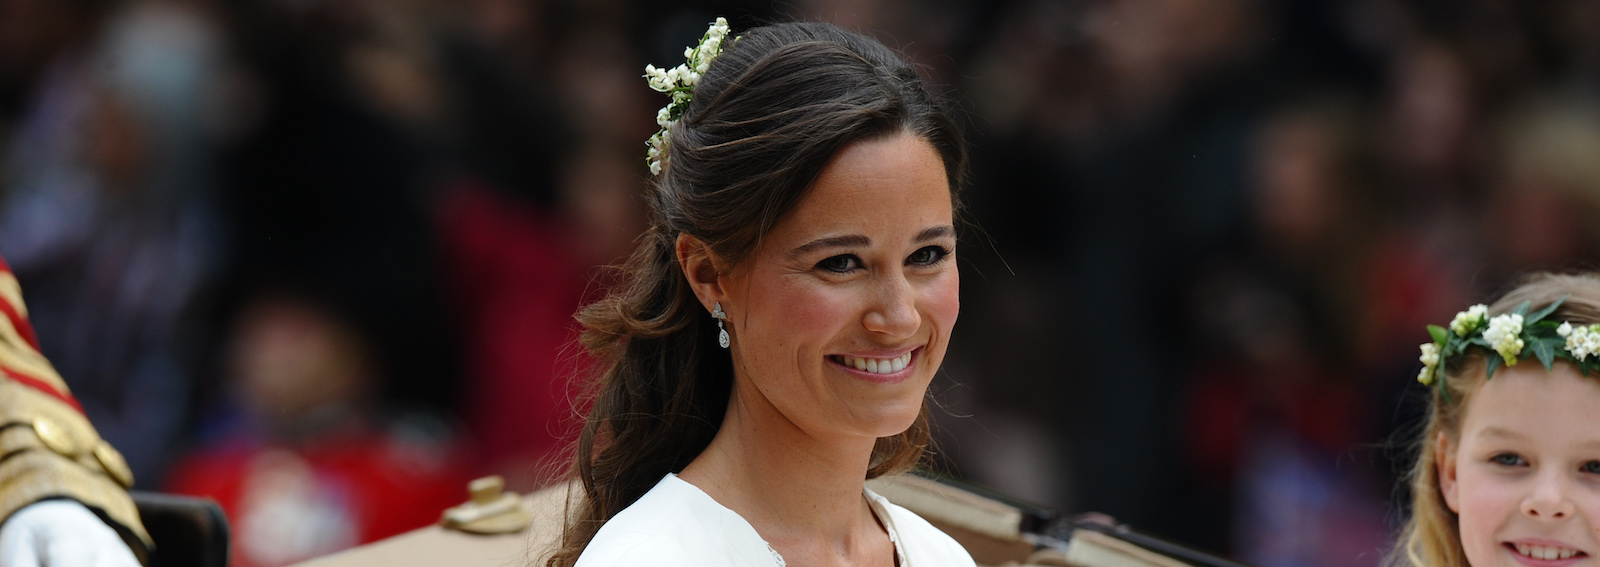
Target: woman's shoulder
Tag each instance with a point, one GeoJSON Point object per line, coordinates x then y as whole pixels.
{"type": "Point", "coordinates": [922, 544]}
{"type": "Point", "coordinates": [673, 524]}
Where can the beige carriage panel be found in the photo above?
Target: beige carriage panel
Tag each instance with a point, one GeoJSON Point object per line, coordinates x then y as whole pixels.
{"type": "Point", "coordinates": [988, 529]}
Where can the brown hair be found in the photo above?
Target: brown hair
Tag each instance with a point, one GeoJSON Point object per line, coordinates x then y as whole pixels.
{"type": "Point", "coordinates": [1432, 537]}
{"type": "Point", "coordinates": [766, 117]}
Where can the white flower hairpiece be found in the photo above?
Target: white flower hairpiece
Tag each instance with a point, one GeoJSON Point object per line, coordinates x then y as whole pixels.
{"type": "Point", "coordinates": [679, 83]}
{"type": "Point", "coordinates": [1506, 337]}
{"type": "Point", "coordinates": [1430, 363]}
{"type": "Point", "coordinates": [1583, 342]}
{"type": "Point", "coordinates": [1469, 320]}
{"type": "Point", "coordinates": [1502, 336]}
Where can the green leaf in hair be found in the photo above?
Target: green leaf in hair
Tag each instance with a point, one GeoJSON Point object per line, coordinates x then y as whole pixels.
{"type": "Point", "coordinates": [1539, 315]}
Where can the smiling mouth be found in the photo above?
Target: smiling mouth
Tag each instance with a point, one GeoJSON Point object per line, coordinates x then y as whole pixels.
{"type": "Point", "coordinates": [1546, 552]}
{"type": "Point", "coordinates": [874, 365]}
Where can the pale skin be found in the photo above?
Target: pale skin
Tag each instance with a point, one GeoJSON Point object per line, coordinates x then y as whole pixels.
{"type": "Point", "coordinates": [862, 268]}
{"type": "Point", "coordinates": [1524, 473]}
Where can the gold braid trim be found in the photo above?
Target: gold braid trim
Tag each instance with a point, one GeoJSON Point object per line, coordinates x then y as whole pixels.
{"type": "Point", "coordinates": [31, 476]}
{"type": "Point", "coordinates": [11, 292]}
{"type": "Point", "coordinates": [49, 450]}
{"type": "Point", "coordinates": [17, 355]}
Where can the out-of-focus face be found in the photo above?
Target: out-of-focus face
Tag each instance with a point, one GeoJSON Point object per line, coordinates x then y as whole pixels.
{"type": "Point", "coordinates": [290, 357]}
{"type": "Point", "coordinates": [841, 317]}
{"type": "Point", "coordinates": [1525, 475]}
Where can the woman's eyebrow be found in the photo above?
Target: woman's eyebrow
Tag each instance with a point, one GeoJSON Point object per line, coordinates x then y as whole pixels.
{"type": "Point", "coordinates": [860, 241]}
{"type": "Point", "coordinates": [846, 241]}
{"type": "Point", "coordinates": [934, 232]}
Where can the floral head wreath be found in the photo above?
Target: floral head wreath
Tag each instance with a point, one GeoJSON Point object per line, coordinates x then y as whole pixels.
{"type": "Point", "coordinates": [1506, 337]}
{"type": "Point", "coordinates": [679, 82]}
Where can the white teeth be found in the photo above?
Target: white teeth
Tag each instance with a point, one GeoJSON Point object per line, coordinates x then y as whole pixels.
{"type": "Point", "coordinates": [877, 365]}
{"type": "Point", "coordinates": [1543, 552]}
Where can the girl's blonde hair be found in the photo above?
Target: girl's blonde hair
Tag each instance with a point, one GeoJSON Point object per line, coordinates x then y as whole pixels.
{"type": "Point", "coordinates": [1431, 537]}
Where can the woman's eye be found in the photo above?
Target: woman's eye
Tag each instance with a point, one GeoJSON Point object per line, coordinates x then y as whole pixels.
{"type": "Point", "coordinates": [928, 255]}
{"type": "Point", "coordinates": [842, 263]}
{"type": "Point", "coordinates": [1508, 459]}
{"type": "Point", "coordinates": [1591, 467]}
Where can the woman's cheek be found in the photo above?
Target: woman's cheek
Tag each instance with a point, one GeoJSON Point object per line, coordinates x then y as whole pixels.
{"type": "Point", "coordinates": [946, 300]}
{"type": "Point", "coordinates": [812, 308]}
{"type": "Point", "coordinates": [941, 304]}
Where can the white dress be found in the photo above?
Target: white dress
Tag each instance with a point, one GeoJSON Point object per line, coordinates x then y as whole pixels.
{"type": "Point", "coordinates": [676, 524]}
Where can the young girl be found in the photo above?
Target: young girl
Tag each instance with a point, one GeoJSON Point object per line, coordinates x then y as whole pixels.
{"type": "Point", "coordinates": [1508, 467]}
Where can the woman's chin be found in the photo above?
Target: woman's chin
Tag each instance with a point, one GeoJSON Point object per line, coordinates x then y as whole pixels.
{"type": "Point", "coordinates": [892, 421]}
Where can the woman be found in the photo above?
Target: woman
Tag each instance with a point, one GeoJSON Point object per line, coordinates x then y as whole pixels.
{"type": "Point", "coordinates": [773, 341]}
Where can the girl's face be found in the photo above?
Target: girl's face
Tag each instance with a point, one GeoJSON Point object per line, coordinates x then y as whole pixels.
{"type": "Point", "coordinates": [1525, 476]}
{"type": "Point", "coordinates": [840, 319]}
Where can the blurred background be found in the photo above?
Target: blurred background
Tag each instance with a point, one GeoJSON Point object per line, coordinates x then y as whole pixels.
{"type": "Point", "coordinates": [317, 259]}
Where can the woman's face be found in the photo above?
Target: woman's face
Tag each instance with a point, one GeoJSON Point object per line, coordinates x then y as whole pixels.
{"type": "Point", "coordinates": [841, 317]}
{"type": "Point", "coordinates": [1525, 477]}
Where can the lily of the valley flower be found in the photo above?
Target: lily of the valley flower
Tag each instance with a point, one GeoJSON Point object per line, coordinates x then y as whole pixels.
{"type": "Point", "coordinates": [1469, 320]}
{"type": "Point", "coordinates": [1503, 336]}
{"type": "Point", "coordinates": [1583, 342]}
{"type": "Point", "coordinates": [679, 82]}
{"type": "Point", "coordinates": [1430, 363]}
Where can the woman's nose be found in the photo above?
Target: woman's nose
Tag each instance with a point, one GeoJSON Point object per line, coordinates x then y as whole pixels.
{"type": "Point", "coordinates": [894, 312]}
{"type": "Point", "coordinates": [1549, 499]}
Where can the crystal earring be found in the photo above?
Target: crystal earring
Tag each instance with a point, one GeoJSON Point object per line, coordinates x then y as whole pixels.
{"type": "Point", "coordinates": [722, 333]}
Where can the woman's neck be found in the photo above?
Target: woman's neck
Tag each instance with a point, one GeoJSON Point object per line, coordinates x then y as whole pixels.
{"type": "Point", "coordinates": [803, 494]}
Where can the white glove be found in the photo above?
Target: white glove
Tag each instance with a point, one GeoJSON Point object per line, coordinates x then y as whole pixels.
{"type": "Point", "coordinates": [61, 533]}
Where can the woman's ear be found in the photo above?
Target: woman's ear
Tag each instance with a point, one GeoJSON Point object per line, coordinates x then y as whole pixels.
{"type": "Point", "coordinates": [1444, 458]}
{"type": "Point", "coordinates": [700, 268]}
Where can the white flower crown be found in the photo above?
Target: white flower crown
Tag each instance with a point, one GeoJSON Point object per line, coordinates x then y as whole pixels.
{"type": "Point", "coordinates": [1506, 336]}
{"type": "Point", "coordinates": [679, 82]}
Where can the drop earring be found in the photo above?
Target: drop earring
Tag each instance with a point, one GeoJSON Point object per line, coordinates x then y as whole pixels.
{"type": "Point", "coordinates": [722, 332]}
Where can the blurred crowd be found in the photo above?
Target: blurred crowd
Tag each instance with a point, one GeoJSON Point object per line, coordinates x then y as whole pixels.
{"type": "Point", "coordinates": [318, 259]}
